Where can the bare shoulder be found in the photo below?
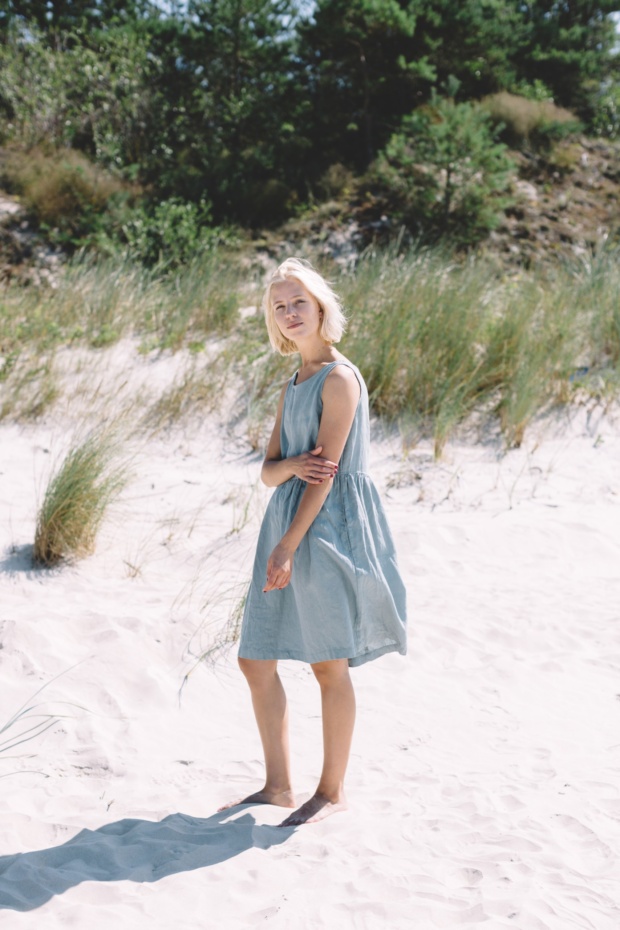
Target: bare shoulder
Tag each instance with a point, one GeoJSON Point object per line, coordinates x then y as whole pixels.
{"type": "Point", "coordinates": [342, 377]}
{"type": "Point", "coordinates": [341, 387]}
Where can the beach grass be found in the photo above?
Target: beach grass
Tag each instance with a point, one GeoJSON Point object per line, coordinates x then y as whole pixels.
{"type": "Point", "coordinates": [33, 718]}
{"type": "Point", "coordinates": [29, 386]}
{"type": "Point", "coordinates": [440, 342]}
{"type": "Point", "coordinates": [77, 498]}
{"type": "Point", "coordinates": [97, 302]}
{"type": "Point", "coordinates": [221, 636]}
{"type": "Point", "coordinates": [196, 390]}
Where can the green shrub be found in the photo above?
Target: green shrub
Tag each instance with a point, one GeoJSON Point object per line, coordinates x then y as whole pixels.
{"type": "Point", "coordinates": [63, 191]}
{"type": "Point", "coordinates": [606, 117]}
{"type": "Point", "coordinates": [168, 235]}
{"type": "Point", "coordinates": [87, 90]}
{"type": "Point", "coordinates": [444, 172]}
{"type": "Point", "coordinates": [536, 90]}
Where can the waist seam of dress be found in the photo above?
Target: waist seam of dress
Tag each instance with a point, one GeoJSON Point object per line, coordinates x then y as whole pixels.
{"type": "Point", "coordinates": [341, 474]}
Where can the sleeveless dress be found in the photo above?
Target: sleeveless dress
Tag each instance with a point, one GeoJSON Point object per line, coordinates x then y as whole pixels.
{"type": "Point", "coordinates": [345, 599]}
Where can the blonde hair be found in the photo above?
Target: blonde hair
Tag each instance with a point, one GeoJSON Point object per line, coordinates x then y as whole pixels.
{"type": "Point", "coordinates": [333, 322]}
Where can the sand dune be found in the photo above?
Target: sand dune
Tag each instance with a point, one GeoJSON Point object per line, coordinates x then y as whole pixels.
{"type": "Point", "coordinates": [485, 775]}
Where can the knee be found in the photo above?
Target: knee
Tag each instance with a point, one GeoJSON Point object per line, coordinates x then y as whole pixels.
{"type": "Point", "coordinates": [334, 672]}
{"type": "Point", "coordinates": [245, 665]}
{"type": "Point", "coordinates": [258, 672]}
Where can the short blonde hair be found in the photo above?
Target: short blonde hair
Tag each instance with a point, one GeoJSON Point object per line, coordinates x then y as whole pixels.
{"type": "Point", "coordinates": [334, 321]}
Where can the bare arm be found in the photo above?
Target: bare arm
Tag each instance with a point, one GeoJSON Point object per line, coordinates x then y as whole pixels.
{"type": "Point", "coordinates": [341, 393]}
{"type": "Point", "coordinates": [309, 466]}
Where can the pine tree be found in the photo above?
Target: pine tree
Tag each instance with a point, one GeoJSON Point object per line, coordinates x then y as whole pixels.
{"type": "Point", "coordinates": [445, 172]}
{"type": "Point", "coordinates": [570, 48]}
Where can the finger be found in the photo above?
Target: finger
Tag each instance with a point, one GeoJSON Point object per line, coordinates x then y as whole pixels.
{"type": "Point", "coordinates": [317, 451]}
{"type": "Point", "coordinates": [275, 585]}
{"type": "Point", "coordinates": [273, 579]}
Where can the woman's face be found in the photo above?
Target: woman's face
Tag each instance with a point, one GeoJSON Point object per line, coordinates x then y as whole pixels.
{"type": "Point", "coordinates": [296, 311]}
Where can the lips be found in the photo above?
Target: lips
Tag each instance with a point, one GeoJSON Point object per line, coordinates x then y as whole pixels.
{"type": "Point", "coordinates": [294, 325]}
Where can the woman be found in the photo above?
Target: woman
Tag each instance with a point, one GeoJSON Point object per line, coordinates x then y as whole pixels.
{"type": "Point", "coordinates": [325, 587]}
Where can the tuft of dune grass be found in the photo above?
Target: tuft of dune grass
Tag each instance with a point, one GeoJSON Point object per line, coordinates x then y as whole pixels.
{"type": "Point", "coordinates": [78, 496]}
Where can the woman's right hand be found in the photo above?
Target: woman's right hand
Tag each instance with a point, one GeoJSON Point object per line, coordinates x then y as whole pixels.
{"type": "Point", "coordinates": [310, 467]}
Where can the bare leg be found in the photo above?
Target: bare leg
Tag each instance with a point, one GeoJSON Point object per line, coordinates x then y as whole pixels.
{"type": "Point", "coordinates": [338, 707]}
{"type": "Point", "coordinates": [270, 710]}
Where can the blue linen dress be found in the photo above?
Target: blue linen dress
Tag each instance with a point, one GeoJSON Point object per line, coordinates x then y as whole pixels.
{"type": "Point", "coordinates": [345, 599]}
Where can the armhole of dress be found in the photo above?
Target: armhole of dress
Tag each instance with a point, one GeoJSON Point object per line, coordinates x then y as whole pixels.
{"type": "Point", "coordinates": [290, 383]}
{"type": "Point", "coordinates": [358, 376]}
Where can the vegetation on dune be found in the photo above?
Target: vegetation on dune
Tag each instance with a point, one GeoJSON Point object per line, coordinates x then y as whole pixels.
{"type": "Point", "coordinates": [121, 122]}
{"type": "Point", "coordinates": [78, 497]}
{"type": "Point", "coordinates": [151, 144]}
{"type": "Point", "coordinates": [437, 340]}
{"type": "Point", "coordinates": [98, 301]}
{"type": "Point", "coordinates": [530, 123]}
{"type": "Point", "coordinates": [445, 174]}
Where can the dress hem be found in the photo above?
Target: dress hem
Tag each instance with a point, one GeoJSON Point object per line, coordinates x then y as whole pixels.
{"type": "Point", "coordinates": [354, 661]}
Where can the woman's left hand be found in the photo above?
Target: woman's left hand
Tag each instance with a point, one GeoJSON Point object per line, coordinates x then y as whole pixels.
{"type": "Point", "coordinates": [279, 568]}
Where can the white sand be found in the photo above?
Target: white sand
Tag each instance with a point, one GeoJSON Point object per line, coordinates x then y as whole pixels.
{"type": "Point", "coordinates": [484, 781]}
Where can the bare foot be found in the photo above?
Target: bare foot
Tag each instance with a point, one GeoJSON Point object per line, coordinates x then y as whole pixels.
{"type": "Point", "coordinates": [317, 808]}
{"type": "Point", "coordinates": [279, 798]}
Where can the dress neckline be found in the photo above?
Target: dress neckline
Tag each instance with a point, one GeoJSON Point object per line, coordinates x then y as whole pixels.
{"type": "Point", "coordinates": [320, 371]}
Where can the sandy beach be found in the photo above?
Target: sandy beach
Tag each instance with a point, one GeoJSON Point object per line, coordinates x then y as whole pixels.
{"type": "Point", "coordinates": [484, 783]}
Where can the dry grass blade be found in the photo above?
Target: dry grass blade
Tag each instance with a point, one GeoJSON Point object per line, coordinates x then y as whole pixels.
{"type": "Point", "coordinates": [227, 635]}
{"type": "Point", "coordinates": [44, 723]}
{"type": "Point", "coordinates": [89, 479]}
{"type": "Point", "coordinates": [25, 715]}
{"type": "Point", "coordinates": [196, 391]}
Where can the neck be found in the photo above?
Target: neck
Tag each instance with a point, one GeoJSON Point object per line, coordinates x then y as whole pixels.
{"type": "Point", "coordinates": [315, 352]}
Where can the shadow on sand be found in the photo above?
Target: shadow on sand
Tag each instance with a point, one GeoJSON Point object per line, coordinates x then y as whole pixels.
{"type": "Point", "coordinates": [18, 560]}
{"type": "Point", "coordinates": [133, 850]}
